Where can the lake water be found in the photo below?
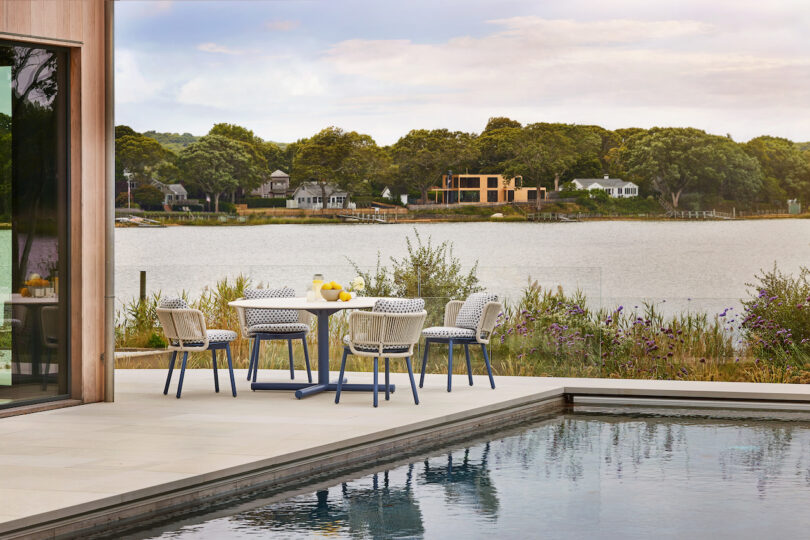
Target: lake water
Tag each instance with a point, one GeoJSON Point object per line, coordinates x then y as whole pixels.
{"type": "Point", "coordinates": [615, 474]}
{"type": "Point", "coordinates": [680, 265]}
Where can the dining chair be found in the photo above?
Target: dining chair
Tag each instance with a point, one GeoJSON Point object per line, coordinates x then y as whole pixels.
{"type": "Point", "coordinates": [259, 325]}
{"type": "Point", "coordinates": [389, 330]}
{"type": "Point", "coordinates": [467, 322]}
{"type": "Point", "coordinates": [186, 332]}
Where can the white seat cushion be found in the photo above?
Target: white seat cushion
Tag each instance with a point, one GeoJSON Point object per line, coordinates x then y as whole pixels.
{"type": "Point", "coordinates": [371, 348]}
{"type": "Point", "coordinates": [278, 328]}
{"type": "Point", "coordinates": [446, 332]}
{"type": "Point", "coordinates": [214, 336]}
{"type": "Point", "coordinates": [472, 309]}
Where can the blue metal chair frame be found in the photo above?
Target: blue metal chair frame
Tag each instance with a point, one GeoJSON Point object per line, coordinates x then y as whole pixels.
{"type": "Point", "coordinates": [389, 388]}
{"type": "Point", "coordinates": [253, 366]}
{"type": "Point", "coordinates": [450, 342]}
{"type": "Point", "coordinates": [213, 347]}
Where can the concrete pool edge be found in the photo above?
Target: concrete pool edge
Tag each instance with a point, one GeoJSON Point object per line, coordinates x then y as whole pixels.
{"type": "Point", "coordinates": [108, 515]}
{"type": "Point", "coordinates": [122, 512]}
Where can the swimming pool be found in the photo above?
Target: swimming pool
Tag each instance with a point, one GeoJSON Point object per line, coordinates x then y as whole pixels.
{"type": "Point", "coordinates": [590, 472]}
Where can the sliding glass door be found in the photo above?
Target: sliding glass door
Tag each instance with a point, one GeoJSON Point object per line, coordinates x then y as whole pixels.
{"type": "Point", "coordinates": [34, 223]}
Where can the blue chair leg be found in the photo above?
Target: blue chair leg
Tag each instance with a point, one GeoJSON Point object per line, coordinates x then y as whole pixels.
{"type": "Point", "coordinates": [469, 368]}
{"type": "Point", "coordinates": [450, 365]}
{"type": "Point", "coordinates": [230, 368]}
{"type": "Point", "coordinates": [182, 374]}
{"type": "Point", "coordinates": [340, 379]}
{"type": "Point", "coordinates": [289, 350]}
{"type": "Point", "coordinates": [257, 347]}
{"type": "Point", "coordinates": [250, 357]}
{"type": "Point", "coordinates": [306, 359]}
{"type": "Point", "coordinates": [387, 393]}
{"type": "Point", "coordinates": [413, 382]}
{"type": "Point", "coordinates": [254, 349]}
{"type": "Point", "coordinates": [169, 376]}
{"type": "Point", "coordinates": [376, 375]}
{"type": "Point", "coordinates": [216, 375]}
{"type": "Point", "coordinates": [424, 364]}
{"type": "Point", "coordinates": [489, 368]}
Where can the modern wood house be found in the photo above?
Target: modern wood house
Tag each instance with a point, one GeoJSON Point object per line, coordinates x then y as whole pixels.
{"type": "Point", "coordinates": [484, 188]}
{"type": "Point", "coordinates": [56, 162]}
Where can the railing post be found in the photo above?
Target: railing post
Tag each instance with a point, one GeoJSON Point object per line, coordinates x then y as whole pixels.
{"type": "Point", "coordinates": [142, 295]}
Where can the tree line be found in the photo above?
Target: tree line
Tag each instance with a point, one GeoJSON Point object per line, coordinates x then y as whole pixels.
{"type": "Point", "coordinates": [670, 164]}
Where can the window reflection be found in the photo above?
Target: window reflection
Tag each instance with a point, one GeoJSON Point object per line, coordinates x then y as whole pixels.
{"type": "Point", "coordinates": [33, 223]}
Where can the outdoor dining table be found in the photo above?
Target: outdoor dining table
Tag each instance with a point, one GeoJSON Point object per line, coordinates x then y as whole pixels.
{"type": "Point", "coordinates": [322, 309]}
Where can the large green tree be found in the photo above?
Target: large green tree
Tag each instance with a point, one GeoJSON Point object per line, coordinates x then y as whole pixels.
{"type": "Point", "coordinates": [335, 159]}
{"type": "Point", "coordinates": [255, 148]}
{"type": "Point", "coordinates": [546, 152]}
{"type": "Point", "coordinates": [216, 165]}
{"type": "Point", "coordinates": [682, 160]}
{"type": "Point", "coordinates": [784, 166]}
{"type": "Point", "coordinates": [139, 155]}
{"type": "Point", "coordinates": [422, 155]}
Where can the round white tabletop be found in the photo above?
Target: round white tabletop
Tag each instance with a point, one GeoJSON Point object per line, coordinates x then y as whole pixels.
{"type": "Point", "coordinates": [361, 302]}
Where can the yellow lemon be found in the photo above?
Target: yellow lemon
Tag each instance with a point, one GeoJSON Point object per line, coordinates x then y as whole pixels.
{"type": "Point", "coordinates": [326, 287]}
{"type": "Point", "coordinates": [336, 286]}
{"type": "Point", "coordinates": [344, 296]}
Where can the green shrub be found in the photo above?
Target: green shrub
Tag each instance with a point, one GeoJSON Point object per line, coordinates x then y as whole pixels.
{"type": "Point", "coordinates": [227, 207]}
{"type": "Point", "coordinates": [428, 271]}
{"type": "Point", "coordinates": [260, 202]}
{"type": "Point", "coordinates": [156, 341]}
{"type": "Point", "coordinates": [776, 319]}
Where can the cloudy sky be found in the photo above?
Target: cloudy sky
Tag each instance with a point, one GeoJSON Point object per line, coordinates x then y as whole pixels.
{"type": "Point", "coordinates": [287, 69]}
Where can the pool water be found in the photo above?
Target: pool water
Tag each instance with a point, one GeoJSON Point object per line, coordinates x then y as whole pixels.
{"type": "Point", "coordinates": [585, 474]}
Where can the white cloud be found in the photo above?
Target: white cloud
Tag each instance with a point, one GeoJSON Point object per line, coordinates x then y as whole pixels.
{"type": "Point", "coordinates": [540, 65]}
{"type": "Point", "coordinates": [131, 84]}
{"type": "Point", "coordinates": [212, 47]}
{"type": "Point", "coordinates": [257, 84]}
{"type": "Point", "coordinates": [278, 25]}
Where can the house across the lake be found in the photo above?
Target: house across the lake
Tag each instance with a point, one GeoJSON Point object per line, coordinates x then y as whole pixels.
{"type": "Point", "coordinates": [277, 186]}
{"type": "Point", "coordinates": [388, 194]}
{"type": "Point", "coordinates": [484, 188]}
{"type": "Point", "coordinates": [172, 193]}
{"type": "Point", "coordinates": [309, 196]}
{"type": "Point", "coordinates": [614, 187]}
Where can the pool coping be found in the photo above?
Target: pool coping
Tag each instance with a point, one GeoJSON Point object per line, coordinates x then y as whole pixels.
{"type": "Point", "coordinates": [107, 515]}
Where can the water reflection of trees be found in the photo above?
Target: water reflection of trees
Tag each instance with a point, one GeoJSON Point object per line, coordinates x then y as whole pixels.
{"type": "Point", "coordinates": [574, 447]}
{"type": "Point", "coordinates": [33, 172]}
{"type": "Point", "coordinates": [379, 511]}
{"type": "Point", "coordinates": [465, 482]}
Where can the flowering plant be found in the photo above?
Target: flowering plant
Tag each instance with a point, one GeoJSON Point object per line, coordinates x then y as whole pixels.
{"type": "Point", "coordinates": [358, 284]}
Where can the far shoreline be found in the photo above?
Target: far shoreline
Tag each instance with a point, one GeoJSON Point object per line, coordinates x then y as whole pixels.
{"type": "Point", "coordinates": [233, 221]}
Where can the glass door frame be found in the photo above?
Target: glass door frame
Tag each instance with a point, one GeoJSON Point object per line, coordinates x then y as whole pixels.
{"type": "Point", "coordinates": [66, 222]}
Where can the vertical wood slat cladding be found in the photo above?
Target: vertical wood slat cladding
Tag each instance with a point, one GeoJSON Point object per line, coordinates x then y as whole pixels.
{"type": "Point", "coordinates": [78, 21]}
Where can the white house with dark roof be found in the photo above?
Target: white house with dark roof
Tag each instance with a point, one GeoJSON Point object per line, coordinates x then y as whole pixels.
{"type": "Point", "coordinates": [614, 187]}
{"type": "Point", "coordinates": [276, 187]}
{"type": "Point", "coordinates": [172, 193]}
{"type": "Point", "coordinates": [309, 196]}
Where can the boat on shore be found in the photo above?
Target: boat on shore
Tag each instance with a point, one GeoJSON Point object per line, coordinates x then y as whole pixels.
{"type": "Point", "coordinates": [139, 222]}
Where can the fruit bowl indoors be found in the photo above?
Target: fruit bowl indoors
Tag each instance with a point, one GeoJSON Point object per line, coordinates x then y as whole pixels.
{"type": "Point", "coordinates": [331, 295]}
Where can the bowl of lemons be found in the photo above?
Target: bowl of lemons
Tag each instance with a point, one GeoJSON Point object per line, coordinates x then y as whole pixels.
{"type": "Point", "coordinates": [332, 291]}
